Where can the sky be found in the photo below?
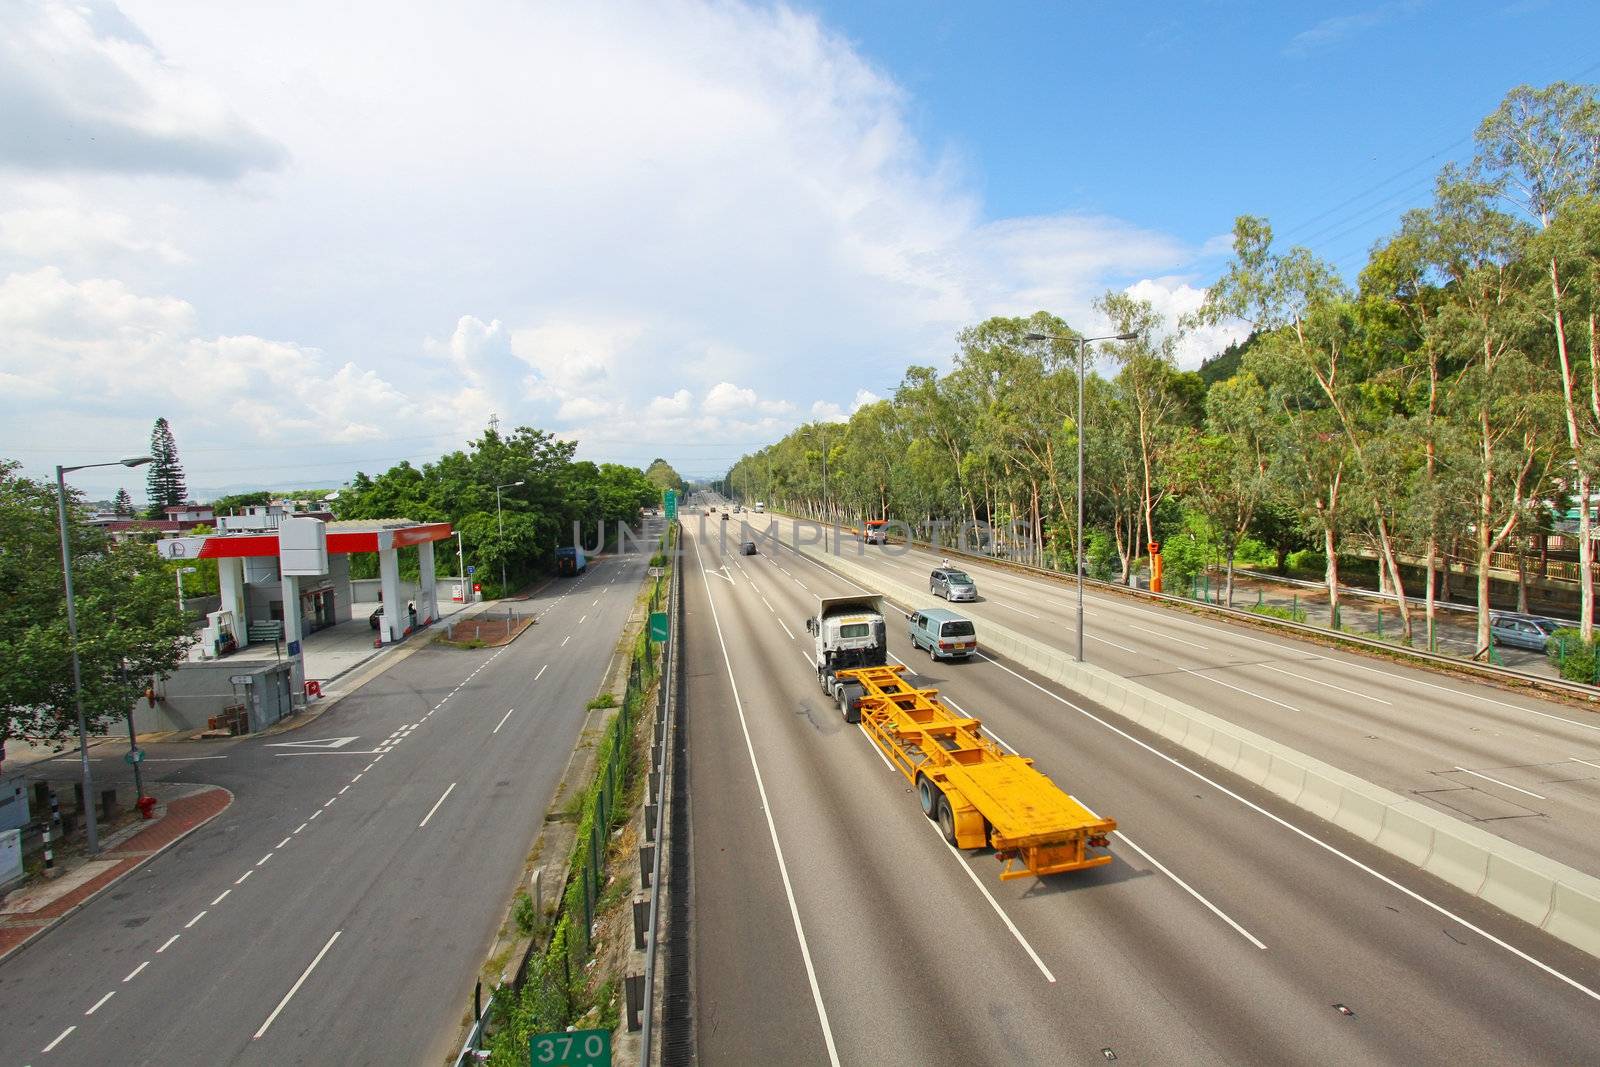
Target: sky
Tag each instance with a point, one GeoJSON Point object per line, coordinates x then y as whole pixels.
{"type": "Point", "coordinates": [321, 238]}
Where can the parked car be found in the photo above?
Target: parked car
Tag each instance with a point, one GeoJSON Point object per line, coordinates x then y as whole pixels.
{"type": "Point", "coordinates": [952, 584]}
{"type": "Point", "coordinates": [943, 633]}
{"type": "Point", "coordinates": [747, 548]}
{"type": "Point", "coordinates": [1521, 631]}
{"type": "Point", "coordinates": [377, 613]}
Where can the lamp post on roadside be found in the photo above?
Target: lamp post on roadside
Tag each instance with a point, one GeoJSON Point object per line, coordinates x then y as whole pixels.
{"type": "Point", "coordinates": [501, 523]}
{"type": "Point", "coordinates": [181, 572]}
{"type": "Point", "coordinates": [825, 502]}
{"type": "Point", "coordinates": [461, 566]}
{"type": "Point", "coordinates": [1083, 348]}
{"type": "Point", "coordinates": [91, 825]}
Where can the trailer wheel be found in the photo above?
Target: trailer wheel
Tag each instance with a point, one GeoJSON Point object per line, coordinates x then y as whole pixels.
{"type": "Point", "coordinates": [928, 796]}
{"type": "Point", "coordinates": [947, 820]}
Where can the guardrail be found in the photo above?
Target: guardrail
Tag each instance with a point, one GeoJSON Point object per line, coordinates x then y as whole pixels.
{"type": "Point", "coordinates": [1449, 664]}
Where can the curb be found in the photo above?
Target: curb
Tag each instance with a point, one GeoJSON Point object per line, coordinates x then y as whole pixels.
{"type": "Point", "coordinates": [80, 905]}
{"type": "Point", "coordinates": [1558, 899]}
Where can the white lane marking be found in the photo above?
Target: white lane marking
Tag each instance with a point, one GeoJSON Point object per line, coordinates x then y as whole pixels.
{"type": "Point", "coordinates": [329, 802]}
{"type": "Point", "coordinates": [785, 627]}
{"type": "Point", "coordinates": [1187, 888]}
{"type": "Point", "coordinates": [285, 841]}
{"type": "Point", "coordinates": [541, 672]}
{"type": "Point", "coordinates": [220, 897]}
{"type": "Point", "coordinates": [345, 790]}
{"type": "Point", "coordinates": [100, 1002]}
{"type": "Point", "coordinates": [1169, 637]}
{"type": "Point", "coordinates": [167, 944]}
{"type": "Point", "coordinates": [315, 814]}
{"type": "Point", "coordinates": [1508, 785]}
{"type": "Point", "coordinates": [1326, 685]}
{"type": "Point", "coordinates": [596, 602]}
{"type": "Point", "coordinates": [357, 778]}
{"type": "Point", "coordinates": [502, 721]}
{"type": "Point", "coordinates": [380, 756]}
{"type": "Point", "coordinates": [435, 807]}
{"type": "Point", "coordinates": [1008, 607]}
{"type": "Point", "coordinates": [62, 1036]}
{"type": "Point", "coordinates": [194, 920]}
{"type": "Point", "coordinates": [302, 826]}
{"type": "Point", "coordinates": [1113, 644]}
{"type": "Point", "coordinates": [772, 829]}
{"type": "Point", "coordinates": [296, 987]}
{"type": "Point", "coordinates": [580, 621]}
{"type": "Point", "coordinates": [1236, 689]}
{"type": "Point", "coordinates": [998, 910]}
{"type": "Point", "coordinates": [264, 859]}
{"type": "Point", "coordinates": [135, 973]}
{"type": "Point", "coordinates": [768, 603]}
{"type": "Point", "coordinates": [1585, 762]}
{"type": "Point", "coordinates": [1292, 828]}
{"type": "Point", "coordinates": [1461, 693]}
{"type": "Point", "coordinates": [565, 639]}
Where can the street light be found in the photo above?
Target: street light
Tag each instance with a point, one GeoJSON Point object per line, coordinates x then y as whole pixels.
{"type": "Point", "coordinates": [1083, 348]}
{"type": "Point", "coordinates": [181, 572]}
{"type": "Point", "coordinates": [500, 521]}
{"type": "Point", "coordinates": [826, 510]}
{"type": "Point", "coordinates": [461, 566]}
{"type": "Point", "coordinates": [91, 825]}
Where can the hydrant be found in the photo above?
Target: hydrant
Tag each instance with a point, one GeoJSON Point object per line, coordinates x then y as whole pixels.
{"type": "Point", "coordinates": [146, 806]}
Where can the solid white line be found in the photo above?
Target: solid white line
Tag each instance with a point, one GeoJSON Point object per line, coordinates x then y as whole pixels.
{"type": "Point", "coordinates": [101, 1001]}
{"type": "Point", "coordinates": [1168, 637]}
{"type": "Point", "coordinates": [1508, 785]}
{"type": "Point", "coordinates": [772, 829]}
{"type": "Point", "coordinates": [136, 971]}
{"type": "Point", "coordinates": [1326, 685]}
{"type": "Point", "coordinates": [168, 943]}
{"type": "Point", "coordinates": [502, 721]}
{"type": "Point", "coordinates": [1585, 762]}
{"type": "Point", "coordinates": [1292, 828]}
{"type": "Point", "coordinates": [1187, 888]}
{"type": "Point", "coordinates": [1026, 947]}
{"type": "Point", "coordinates": [194, 920]}
{"type": "Point", "coordinates": [224, 893]}
{"type": "Point", "coordinates": [1236, 689]}
{"type": "Point", "coordinates": [541, 672]}
{"type": "Point", "coordinates": [296, 987]}
{"type": "Point", "coordinates": [435, 807]}
{"type": "Point", "coordinates": [59, 1038]}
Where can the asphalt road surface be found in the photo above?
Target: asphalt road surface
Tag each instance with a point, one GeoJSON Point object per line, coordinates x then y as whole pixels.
{"type": "Point", "coordinates": [339, 911]}
{"type": "Point", "coordinates": [833, 924]}
{"type": "Point", "coordinates": [1516, 765]}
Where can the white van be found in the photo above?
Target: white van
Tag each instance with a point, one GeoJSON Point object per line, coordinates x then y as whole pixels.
{"type": "Point", "coordinates": [761, 506]}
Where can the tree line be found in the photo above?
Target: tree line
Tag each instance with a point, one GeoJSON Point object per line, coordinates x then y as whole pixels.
{"type": "Point", "coordinates": [1440, 410]}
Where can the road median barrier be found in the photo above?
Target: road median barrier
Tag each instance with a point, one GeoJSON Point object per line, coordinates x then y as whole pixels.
{"type": "Point", "coordinates": [1559, 899]}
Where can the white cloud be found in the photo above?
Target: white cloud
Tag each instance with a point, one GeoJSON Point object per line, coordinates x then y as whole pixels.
{"type": "Point", "coordinates": [1175, 299]}
{"type": "Point", "coordinates": [827, 411]}
{"type": "Point", "coordinates": [82, 88]}
{"type": "Point", "coordinates": [648, 225]}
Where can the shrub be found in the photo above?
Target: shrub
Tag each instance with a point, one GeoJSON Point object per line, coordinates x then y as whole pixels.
{"type": "Point", "coordinates": [1254, 555]}
{"type": "Point", "coordinates": [1572, 655]}
{"type": "Point", "coordinates": [1101, 559]}
{"type": "Point", "coordinates": [1309, 561]}
{"type": "Point", "coordinates": [604, 700]}
{"type": "Point", "coordinates": [1278, 612]}
{"type": "Point", "coordinates": [523, 915]}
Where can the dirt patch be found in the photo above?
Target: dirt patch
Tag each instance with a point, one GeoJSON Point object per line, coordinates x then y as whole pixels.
{"type": "Point", "coordinates": [486, 631]}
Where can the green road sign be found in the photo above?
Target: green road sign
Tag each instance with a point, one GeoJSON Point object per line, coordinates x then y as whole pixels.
{"type": "Point", "coordinates": [573, 1048]}
{"type": "Point", "coordinates": [136, 756]}
{"type": "Point", "coordinates": [670, 502]}
{"type": "Point", "coordinates": [658, 626]}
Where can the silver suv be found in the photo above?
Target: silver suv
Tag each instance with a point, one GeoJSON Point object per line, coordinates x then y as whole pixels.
{"type": "Point", "coordinates": [952, 584]}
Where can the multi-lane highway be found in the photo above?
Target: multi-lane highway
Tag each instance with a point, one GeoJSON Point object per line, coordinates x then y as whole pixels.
{"type": "Point", "coordinates": [833, 924]}
{"type": "Point", "coordinates": [1516, 765]}
{"type": "Point", "coordinates": [339, 911]}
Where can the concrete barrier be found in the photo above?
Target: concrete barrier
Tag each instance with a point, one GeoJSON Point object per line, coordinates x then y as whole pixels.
{"type": "Point", "coordinates": [1559, 899]}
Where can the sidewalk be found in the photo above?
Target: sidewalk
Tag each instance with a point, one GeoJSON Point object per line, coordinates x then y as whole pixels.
{"type": "Point", "coordinates": [40, 904]}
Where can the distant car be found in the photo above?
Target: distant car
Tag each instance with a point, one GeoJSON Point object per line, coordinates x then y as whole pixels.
{"type": "Point", "coordinates": [747, 548]}
{"type": "Point", "coordinates": [1521, 631]}
{"type": "Point", "coordinates": [952, 584]}
{"type": "Point", "coordinates": [724, 516]}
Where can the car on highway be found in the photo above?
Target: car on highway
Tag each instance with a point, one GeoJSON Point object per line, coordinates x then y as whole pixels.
{"type": "Point", "coordinates": [724, 516]}
{"type": "Point", "coordinates": [942, 632]}
{"type": "Point", "coordinates": [747, 548]}
{"type": "Point", "coordinates": [1521, 631]}
{"type": "Point", "coordinates": [952, 584]}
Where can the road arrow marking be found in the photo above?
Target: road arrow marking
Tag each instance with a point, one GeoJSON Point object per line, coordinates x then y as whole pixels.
{"type": "Point", "coordinates": [326, 742]}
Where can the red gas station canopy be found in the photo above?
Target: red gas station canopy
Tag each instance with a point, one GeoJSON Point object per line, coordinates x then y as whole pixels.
{"type": "Point", "coordinates": [340, 542]}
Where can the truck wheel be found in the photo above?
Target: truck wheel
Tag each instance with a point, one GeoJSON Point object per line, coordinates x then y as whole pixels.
{"type": "Point", "coordinates": [947, 820]}
{"type": "Point", "coordinates": [852, 714]}
{"type": "Point", "coordinates": [822, 680]}
{"type": "Point", "coordinates": [928, 796]}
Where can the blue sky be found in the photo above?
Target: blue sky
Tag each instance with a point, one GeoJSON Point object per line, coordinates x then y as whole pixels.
{"type": "Point", "coordinates": [1182, 116]}
{"type": "Point", "coordinates": [325, 238]}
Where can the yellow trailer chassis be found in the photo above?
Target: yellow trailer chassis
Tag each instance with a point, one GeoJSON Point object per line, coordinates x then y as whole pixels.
{"type": "Point", "coordinates": [979, 794]}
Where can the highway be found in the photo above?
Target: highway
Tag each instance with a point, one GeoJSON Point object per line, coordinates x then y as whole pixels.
{"type": "Point", "coordinates": [1522, 767]}
{"type": "Point", "coordinates": [339, 911]}
{"type": "Point", "coordinates": [833, 924]}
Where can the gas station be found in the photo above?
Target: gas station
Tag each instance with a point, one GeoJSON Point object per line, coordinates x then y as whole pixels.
{"type": "Point", "coordinates": [284, 575]}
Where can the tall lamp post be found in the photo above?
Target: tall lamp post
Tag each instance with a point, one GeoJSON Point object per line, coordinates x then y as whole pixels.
{"type": "Point", "coordinates": [501, 523]}
{"type": "Point", "coordinates": [91, 825]}
{"type": "Point", "coordinates": [825, 502]}
{"type": "Point", "coordinates": [1083, 349]}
